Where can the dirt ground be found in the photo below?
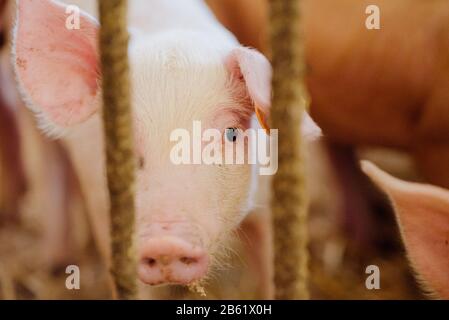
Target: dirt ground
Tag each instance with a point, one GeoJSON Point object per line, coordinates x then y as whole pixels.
{"type": "Point", "coordinates": [337, 268]}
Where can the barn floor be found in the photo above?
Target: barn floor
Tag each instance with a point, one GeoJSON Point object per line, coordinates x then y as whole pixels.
{"type": "Point", "coordinates": [337, 270]}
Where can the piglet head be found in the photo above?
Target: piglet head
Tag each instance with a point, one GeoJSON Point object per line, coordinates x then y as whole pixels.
{"type": "Point", "coordinates": [183, 86]}
{"type": "Point", "coordinates": [179, 79]}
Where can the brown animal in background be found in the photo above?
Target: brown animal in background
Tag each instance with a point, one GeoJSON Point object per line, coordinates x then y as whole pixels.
{"type": "Point", "coordinates": [386, 87]}
{"type": "Point", "coordinates": [366, 91]}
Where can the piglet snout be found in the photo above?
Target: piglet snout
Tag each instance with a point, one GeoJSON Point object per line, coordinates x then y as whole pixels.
{"type": "Point", "coordinates": [171, 260]}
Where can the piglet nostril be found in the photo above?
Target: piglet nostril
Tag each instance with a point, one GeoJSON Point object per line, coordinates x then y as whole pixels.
{"type": "Point", "coordinates": [171, 260]}
{"type": "Point", "coordinates": [188, 260]}
{"type": "Point", "coordinates": [151, 262]}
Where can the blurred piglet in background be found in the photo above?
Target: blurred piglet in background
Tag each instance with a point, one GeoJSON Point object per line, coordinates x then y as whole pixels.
{"type": "Point", "coordinates": [422, 213]}
{"type": "Point", "coordinates": [184, 67]}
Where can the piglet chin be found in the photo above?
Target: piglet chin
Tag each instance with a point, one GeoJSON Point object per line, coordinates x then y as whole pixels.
{"type": "Point", "coordinates": [171, 260]}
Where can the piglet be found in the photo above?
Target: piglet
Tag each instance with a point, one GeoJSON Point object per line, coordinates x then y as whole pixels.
{"type": "Point", "coordinates": [185, 67]}
{"type": "Point", "coordinates": [422, 212]}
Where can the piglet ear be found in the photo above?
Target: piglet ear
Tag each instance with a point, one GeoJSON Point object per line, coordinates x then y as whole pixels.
{"type": "Point", "coordinates": [256, 71]}
{"type": "Point", "coordinates": [56, 66]}
{"type": "Point", "coordinates": [423, 215]}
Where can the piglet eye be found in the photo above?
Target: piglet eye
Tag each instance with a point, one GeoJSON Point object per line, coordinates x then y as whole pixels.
{"type": "Point", "coordinates": [231, 134]}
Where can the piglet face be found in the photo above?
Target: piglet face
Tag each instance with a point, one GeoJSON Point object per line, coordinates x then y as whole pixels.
{"type": "Point", "coordinates": [184, 84]}
{"type": "Point", "coordinates": [184, 88]}
{"type": "Point", "coordinates": [185, 212]}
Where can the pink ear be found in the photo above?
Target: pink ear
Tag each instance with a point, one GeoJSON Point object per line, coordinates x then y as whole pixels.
{"type": "Point", "coordinates": [423, 215]}
{"type": "Point", "coordinates": [57, 68]}
{"type": "Point", "coordinates": [256, 72]}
